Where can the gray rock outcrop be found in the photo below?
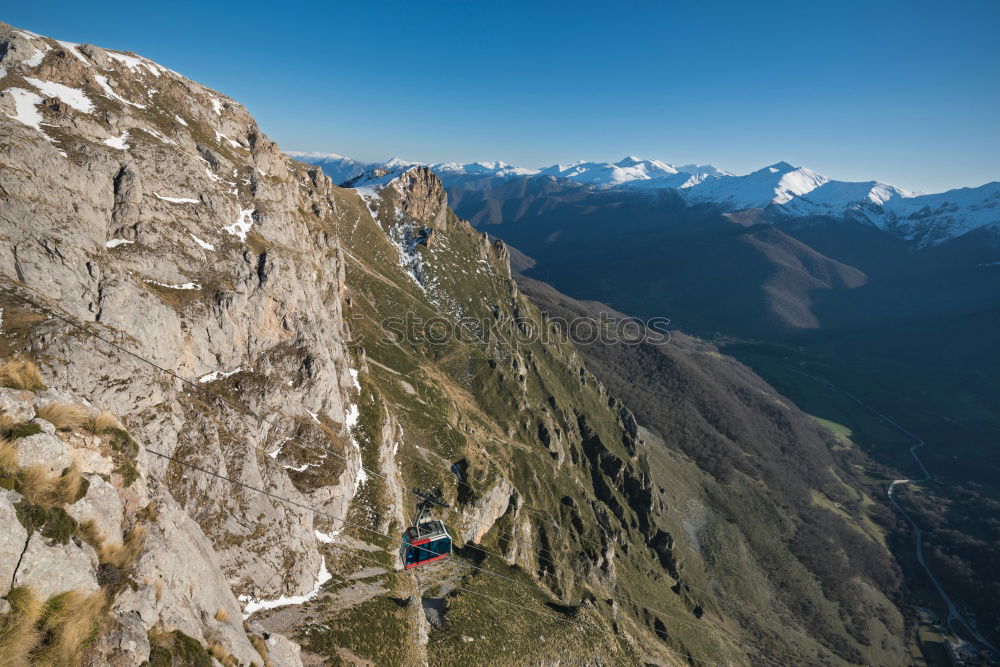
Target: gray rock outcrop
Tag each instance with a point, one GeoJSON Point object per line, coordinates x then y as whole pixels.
{"type": "Point", "coordinates": [50, 568]}
{"type": "Point", "coordinates": [45, 450]}
{"type": "Point", "coordinates": [13, 539]}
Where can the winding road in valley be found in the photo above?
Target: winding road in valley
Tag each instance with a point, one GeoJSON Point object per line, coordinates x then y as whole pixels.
{"type": "Point", "coordinates": [953, 612]}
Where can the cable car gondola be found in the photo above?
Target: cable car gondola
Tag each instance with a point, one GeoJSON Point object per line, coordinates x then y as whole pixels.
{"type": "Point", "coordinates": [427, 539]}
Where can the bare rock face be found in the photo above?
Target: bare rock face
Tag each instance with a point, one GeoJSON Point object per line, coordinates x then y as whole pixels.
{"type": "Point", "coordinates": [204, 274]}
{"type": "Point", "coordinates": [103, 506]}
{"type": "Point", "coordinates": [493, 504]}
{"type": "Point", "coordinates": [16, 404]}
{"type": "Point", "coordinates": [45, 450]}
{"type": "Point", "coordinates": [504, 253]}
{"type": "Point", "coordinates": [154, 210]}
{"type": "Point", "coordinates": [180, 582]}
{"type": "Point", "coordinates": [90, 457]}
{"type": "Point", "coordinates": [183, 588]}
{"type": "Point", "coordinates": [50, 568]}
{"type": "Point", "coordinates": [283, 651]}
{"type": "Point", "coordinates": [420, 195]}
{"type": "Point", "coordinates": [13, 539]}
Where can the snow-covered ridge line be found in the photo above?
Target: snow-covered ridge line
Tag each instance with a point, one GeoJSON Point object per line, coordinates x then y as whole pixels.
{"type": "Point", "coordinates": [630, 170]}
{"type": "Point", "coordinates": [781, 188]}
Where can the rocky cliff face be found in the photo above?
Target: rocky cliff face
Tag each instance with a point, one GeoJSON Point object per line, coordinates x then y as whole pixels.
{"type": "Point", "coordinates": [155, 213]}
{"type": "Point", "coordinates": [171, 577]}
{"type": "Point", "coordinates": [290, 360]}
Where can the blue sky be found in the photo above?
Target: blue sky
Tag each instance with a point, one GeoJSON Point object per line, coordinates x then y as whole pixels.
{"type": "Point", "coordinates": [903, 92]}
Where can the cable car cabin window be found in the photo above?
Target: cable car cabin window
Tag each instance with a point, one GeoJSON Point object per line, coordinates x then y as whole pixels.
{"type": "Point", "coordinates": [427, 542]}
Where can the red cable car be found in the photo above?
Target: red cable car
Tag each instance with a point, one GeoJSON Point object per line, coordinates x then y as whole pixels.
{"type": "Point", "coordinates": [428, 539]}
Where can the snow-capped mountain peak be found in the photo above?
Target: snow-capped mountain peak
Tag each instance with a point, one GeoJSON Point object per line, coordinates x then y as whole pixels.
{"type": "Point", "coordinates": [779, 168]}
{"type": "Point", "coordinates": [496, 168]}
{"type": "Point", "coordinates": [606, 174]}
{"type": "Point", "coordinates": [397, 162]}
{"type": "Point", "coordinates": [778, 183]}
{"type": "Point", "coordinates": [649, 165]}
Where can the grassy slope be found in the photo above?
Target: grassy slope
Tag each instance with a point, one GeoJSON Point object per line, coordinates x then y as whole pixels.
{"type": "Point", "coordinates": [774, 476]}
{"type": "Point", "coordinates": [481, 401]}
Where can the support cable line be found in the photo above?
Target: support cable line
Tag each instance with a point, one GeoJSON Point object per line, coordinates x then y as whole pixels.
{"type": "Point", "coordinates": [344, 522]}
{"type": "Point", "coordinates": [538, 514]}
{"type": "Point", "coordinates": [459, 513]}
{"type": "Point", "coordinates": [527, 508]}
{"type": "Point", "coordinates": [476, 547]}
{"type": "Point", "coordinates": [620, 598]}
{"type": "Point", "coordinates": [551, 521]}
{"type": "Point", "coordinates": [482, 342]}
{"type": "Point", "coordinates": [243, 408]}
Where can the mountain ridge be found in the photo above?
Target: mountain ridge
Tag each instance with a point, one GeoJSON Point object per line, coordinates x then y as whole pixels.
{"type": "Point", "coordinates": [783, 190]}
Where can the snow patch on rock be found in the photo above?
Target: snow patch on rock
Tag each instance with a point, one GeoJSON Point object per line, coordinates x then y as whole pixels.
{"type": "Point", "coordinates": [119, 143]}
{"type": "Point", "coordinates": [35, 59]}
{"type": "Point", "coordinates": [180, 286]}
{"type": "Point", "coordinates": [74, 97]}
{"type": "Point", "coordinates": [350, 421]}
{"type": "Point", "coordinates": [105, 83]}
{"type": "Point", "coordinates": [251, 606]}
{"type": "Point", "coordinates": [242, 225]}
{"type": "Point", "coordinates": [218, 375]}
{"type": "Point", "coordinates": [71, 48]}
{"type": "Point", "coordinates": [135, 64]}
{"type": "Point", "coordinates": [221, 138]}
{"type": "Point", "coordinates": [25, 112]}
{"type": "Point", "coordinates": [204, 244]}
{"type": "Point", "coordinates": [177, 200]}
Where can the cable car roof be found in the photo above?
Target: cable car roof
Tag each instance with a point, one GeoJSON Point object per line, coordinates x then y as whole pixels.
{"type": "Point", "coordinates": [427, 531]}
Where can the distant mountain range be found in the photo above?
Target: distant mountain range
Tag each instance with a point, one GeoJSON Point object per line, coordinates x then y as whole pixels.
{"type": "Point", "coordinates": [781, 190]}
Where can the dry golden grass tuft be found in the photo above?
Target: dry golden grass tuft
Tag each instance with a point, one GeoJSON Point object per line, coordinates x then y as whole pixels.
{"type": "Point", "coordinates": [8, 457]}
{"type": "Point", "coordinates": [18, 632]}
{"type": "Point", "coordinates": [54, 633]}
{"type": "Point", "coordinates": [37, 484]}
{"type": "Point", "coordinates": [64, 416]}
{"type": "Point", "coordinates": [123, 555]}
{"type": "Point", "coordinates": [221, 615]}
{"type": "Point", "coordinates": [103, 422]}
{"type": "Point", "coordinates": [21, 373]}
{"type": "Point", "coordinates": [43, 488]}
{"type": "Point", "coordinates": [150, 513]}
{"type": "Point", "coordinates": [91, 534]}
{"type": "Point", "coordinates": [219, 652]}
{"type": "Point", "coordinates": [69, 486]}
{"type": "Point", "coordinates": [260, 644]}
{"type": "Point", "coordinates": [69, 623]}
